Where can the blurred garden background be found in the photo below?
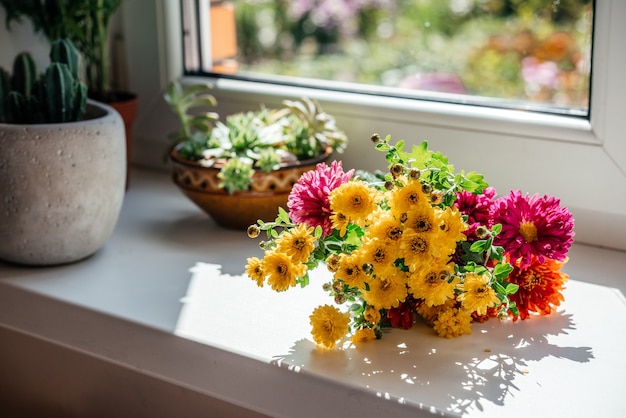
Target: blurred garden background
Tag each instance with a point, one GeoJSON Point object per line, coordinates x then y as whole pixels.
{"type": "Point", "coordinates": [536, 51]}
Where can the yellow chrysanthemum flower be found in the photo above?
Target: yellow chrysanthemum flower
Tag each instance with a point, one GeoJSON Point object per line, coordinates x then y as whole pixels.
{"type": "Point", "coordinates": [255, 271]}
{"type": "Point", "coordinates": [433, 284]}
{"type": "Point", "coordinates": [429, 313]}
{"type": "Point", "coordinates": [451, 227]}
{"type": "Point", "coordinates": [363, 335]}
{"type": "Point", "coordinates": [477, 295]}
{"type": "Point", "coordinates": [340, 222]}
{"type": "Point", "coordinates": [297, 243]}
{"type": "Point", "coordinates": [350, 270]}
{"type": "Point", "coordinates": [372, 315]}
{"type": "Point", "coordinates": [416, 249]}
{"type": "Point", "coordinates": [386, 227]}
{"type": "Point", "coordinates": [281, 270]}
{"type": "Point", "coordinates": [406, 196]}
{"type": "Point", "coordinates": [355, 200]}
{"type": "Point", "coordinates": [453, 322]}
{"type": "Point", "coordinates": [386, 292]}
{"type": "Point", "coordinates": [421, 218]}
{"type": "Point", "coordinates": [329, 325]}
{"type": "Point", "coordinates": [378, 254]}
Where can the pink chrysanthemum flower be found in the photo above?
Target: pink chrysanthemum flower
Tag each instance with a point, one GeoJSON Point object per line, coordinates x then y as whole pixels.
{"type": "Point", "coordinates": [308, 201]}
{"type": "Point", "coordinates": [475, 206]}
{"type": "Point", "coordinates": [532, 226]}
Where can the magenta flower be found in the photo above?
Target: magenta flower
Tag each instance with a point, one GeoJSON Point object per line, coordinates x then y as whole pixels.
{"type": "Point", "coordinates": [532, 226]}
{"type": "Point", "coordinates": [475, 206]}
{"type": "Point", "coordinates": [308, 201]}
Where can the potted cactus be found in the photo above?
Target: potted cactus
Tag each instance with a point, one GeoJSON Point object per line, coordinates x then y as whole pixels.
{"type": "Point", "coordinates": [86, 24]}
{"type": "Point", "coordinates": [62, 166]}
{"type": "Point", "coordinates": [240, 169]}
{"type": "Point", "coordinates": [58, 96]}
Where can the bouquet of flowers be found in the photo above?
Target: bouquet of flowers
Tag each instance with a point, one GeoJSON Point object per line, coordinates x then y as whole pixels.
{"type": "Point", "coordinates": [418, 241]}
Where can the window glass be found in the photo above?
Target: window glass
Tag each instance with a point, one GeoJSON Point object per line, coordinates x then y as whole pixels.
{"type": "Point", "coordinates": [532, 54]}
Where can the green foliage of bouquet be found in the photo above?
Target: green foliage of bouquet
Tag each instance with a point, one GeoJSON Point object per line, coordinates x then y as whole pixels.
{"type": "Point", "coordinates": [420, 240]}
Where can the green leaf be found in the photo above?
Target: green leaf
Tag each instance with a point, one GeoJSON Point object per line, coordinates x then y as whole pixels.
{"type": "Point", "coordinates": [283, 215]}
{"type": "Point", "coordinates": [474, 182]}
{"type": "Point", "coordinates": [502, 271]}
{"type": "Point", "coordinates": [304, 280]}
{"type": "Point", "coordinates": [355, 307]}
{"type": "Point", "coordinates": [420, 155]}
{"type": "Point", "coordinates": [478, 246]}
{"type": "Point", "coordinates": [499, 288]}
{"type": "Point", "coordinates": [496, 229]}
{"type": "Point", "coordinates": [511, 288]}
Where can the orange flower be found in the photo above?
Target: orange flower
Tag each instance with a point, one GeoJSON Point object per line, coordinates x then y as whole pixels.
{"type": "Point", "coordinates": [540, 286]}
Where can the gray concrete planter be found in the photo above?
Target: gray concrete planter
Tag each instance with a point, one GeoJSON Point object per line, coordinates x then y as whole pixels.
{"type": "Point", "coordinates": [61, 187]}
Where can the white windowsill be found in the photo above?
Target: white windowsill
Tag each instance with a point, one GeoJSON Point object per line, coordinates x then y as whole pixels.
{"type": "Point", "coordinates": [136, 304]}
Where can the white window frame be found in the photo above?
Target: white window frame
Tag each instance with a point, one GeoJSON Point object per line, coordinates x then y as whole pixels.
{"type": "Point", "coordinates": [581, 161]}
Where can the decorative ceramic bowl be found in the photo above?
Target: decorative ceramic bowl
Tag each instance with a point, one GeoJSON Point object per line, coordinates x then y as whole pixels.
{"type": "Point", "coordinates": [240, 209]}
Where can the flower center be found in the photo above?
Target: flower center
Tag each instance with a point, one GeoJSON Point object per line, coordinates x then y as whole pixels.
{"type": "Point", "coordinates": [357, 201]}
{"type": "Point", "coordinates": [419, 245]}
{"type": "Point", "coordinates": [299, 243]}
{"type": "Point", "coordinates": [422, 224]}
{"type": "Point", "coordinates": [531, 281]}
{"type": "Point", "coordinates": [394, 233]}
{"type": "Point", "coordinates": [528, 231]}
{"type": "Point", "coordinates": [282, 269]}
{"type": "Point", "coordinates": [380, 255]}
{"type": "Point", "coordinates": [412, 198]}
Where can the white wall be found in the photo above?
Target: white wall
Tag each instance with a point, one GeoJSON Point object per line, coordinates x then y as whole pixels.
{"type": "Point", "coordinates": [21, 38]}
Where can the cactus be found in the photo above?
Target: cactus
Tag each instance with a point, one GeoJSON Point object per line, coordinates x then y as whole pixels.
{"type": "Point", "coordinates": [56, 96]}
{"type": "Point", "coordinates": [63, 51]}
{"type": "Point", "coordinates": [24, 74]}
{"type": "Point", "coordinates": [5, 78]}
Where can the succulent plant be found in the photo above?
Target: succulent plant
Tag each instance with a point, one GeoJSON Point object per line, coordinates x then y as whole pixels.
{"type": "Point", "coordinates": [55, 96]}
{"type": "Point", "coordinates": [248, 141]}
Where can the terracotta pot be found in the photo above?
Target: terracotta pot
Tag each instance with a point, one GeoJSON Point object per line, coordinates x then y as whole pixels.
{"type": "Point", "coordinates": [241, 209]}
{"type": "Point", "coordinates": [61, 187]}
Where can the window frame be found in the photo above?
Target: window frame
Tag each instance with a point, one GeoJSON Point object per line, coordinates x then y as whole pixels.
{"type": "Point", "coordinates": [429, 107]}
{"type": "Point", "coordinates": [581, 161]}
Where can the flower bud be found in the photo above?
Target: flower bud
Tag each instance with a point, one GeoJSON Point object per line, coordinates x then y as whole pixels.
{"type": "Point", "coordinates": [253, 231]}
{"type": "Point", "coordinates": [389, 185]}
{"type": "Point", "coordinates": [503, 317]}
{"type": "Point", "coordinates": [414, 174]}
{"type": "Point", "coordinates": [436, 197]}
{"type": "Point", "coordinates": [326, 287]}
{"type": "Point", "coordinates": [367, 268]}
{"type": "Point", "coordinates": [482, 232]}
{"type": "Point", "coordinates": [427, 188]}
{"type": "Point", "coordinates": [375, 138]}
{"type": "Point", "coordinates": [337, 286]}
{"type": "Point", "coordinates": [396, 170]}
{"type": "Point", "coordinates": [340, 299]}
{"type": "Point", "coordinates": [332, 263]}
